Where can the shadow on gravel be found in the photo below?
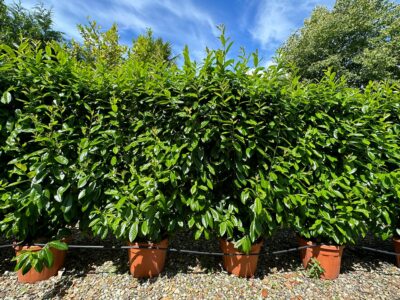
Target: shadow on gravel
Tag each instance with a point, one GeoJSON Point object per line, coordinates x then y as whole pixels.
{"type": "Point", "coordinates": [185, 263]}
{"type": "Point", "coordinates": [6, 254]}
{"type": "Point", "coordinates": [355, 258]}
{"type": "Point", "coordinates": [81, 262]}
{"type": "Point", "coordinates": [284, 262]}
{"type": "Point", "coordinates": [188, 263]}
{"type": "Point", "coordinates": [60, 289]}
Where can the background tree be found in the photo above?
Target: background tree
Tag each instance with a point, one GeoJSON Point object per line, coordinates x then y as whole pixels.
{"type": "Point", "coordinates": [357, 38]}
{"type": "Point", "coordinates": [17, 22]}
{"type": "Point", "coordinates": [104, 46]}
{"type": "Point", "coordinates": [146, 48]}
{"type": "Point", "coordinates": [98, 45]}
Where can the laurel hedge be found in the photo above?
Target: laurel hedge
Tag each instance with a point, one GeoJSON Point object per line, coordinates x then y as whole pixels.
{"type": "Point", "coordinates": [226, 148]}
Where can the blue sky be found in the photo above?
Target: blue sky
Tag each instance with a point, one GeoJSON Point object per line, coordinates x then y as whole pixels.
{"type": "Point", "coordinates": [253, 24]}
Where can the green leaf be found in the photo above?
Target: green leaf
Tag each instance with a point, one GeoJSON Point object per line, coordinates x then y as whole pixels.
{"type": "Point", "coordinates": [191, 222]}
{"type": "Point", "coordinates": [60, 191]}
{"type": "Point", "coordinates": [68, 203]}
{"type": "Point", "coordinates": [257, 206]}
{"type": "Point", "coordinates": [61, 159]}
{"type": "Point", "coordinates": [222, 229]}
{"type": "Point", "coordinates": [338, 194]}
{"type": "Point", "coordinates": [82, 182]}
{"type": "Point", "coordinates": [57, 245]}
{"type": "Point", "coordinates": [387, 217]}
{"type": "Point", "coordinates": [48, 257]}
{"type": "Point", "coordinates": [193, 190]}
{"type": "Point", "coordinates": [6, 98]}
{"type": "Point", "coordinates": [22, 167]}
{"type": "Point", "coordinates": [145, 227]}
{"type": "Point", "coordinates": [211, 169]}
{"type": "Point", "coordinates": [371, 155]}
{"type": "Point", "coordinates": [198, 233]}
{"type": "Point", "coordinates": [133, 231]}
{"type": "Point", "coordinates": [244, 196]}
{"type": "Point", "coordinates": [246, 244]}
{"type": "Point", "coordinates": [83, 155]}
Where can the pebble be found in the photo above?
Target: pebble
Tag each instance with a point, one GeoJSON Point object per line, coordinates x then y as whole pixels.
{"type": "Point", "coordinates": [105, 275]}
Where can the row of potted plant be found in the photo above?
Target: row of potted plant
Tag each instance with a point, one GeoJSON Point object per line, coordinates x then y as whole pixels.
{"type": "Point", "coordinates": [140, 150]}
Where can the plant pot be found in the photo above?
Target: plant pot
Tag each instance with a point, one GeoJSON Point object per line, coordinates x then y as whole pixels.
{"type": "Point", "coordinates": [147, 263]}
{"type": "Point", "coordinates": [329, 257]}
{"type": "Point", "coordinates": [306, 253]}
{"type": "Point", "coordinates": [396, 242]}
{"type": "Point", "coordinates": [33, 276]}
{"type": "Point", "coordinates": [241, 265]}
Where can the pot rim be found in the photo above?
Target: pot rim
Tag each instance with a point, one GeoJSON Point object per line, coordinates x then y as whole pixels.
{"type": "Point", "coordinates": [164, 240]}
{"type": "Point", "coordinates": [30, 247]}
{"type": "Point", "coordinates": [319, 244]}
{"type": "Point", "coordinates": [258, 243]}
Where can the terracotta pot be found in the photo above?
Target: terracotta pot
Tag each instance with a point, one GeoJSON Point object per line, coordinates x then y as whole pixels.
{"type": "Point", "coordinates": [33, 276]}
{"type": "Point", "coordinates": [145, 263]}
{"type": "Point", "coordinates": [329, 257]}
{"type": "Point", "coordinates": [396, 242]}
{"type": "Point", "coordinates": [306, 253]}
{"type": "Point", "coordinates": [240, 265]}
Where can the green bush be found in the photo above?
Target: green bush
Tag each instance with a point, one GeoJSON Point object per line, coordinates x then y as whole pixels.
{"type": "Point", "coordinates": [143, 181]}
{"type": "Point", "coordinates": [231, 122]}
{"type": "Point", "coordinates": [39, 130]}
{"type": "Point", "coordinates": [343, 143]}
{"type": "Point", "coordinates": [140, 150]}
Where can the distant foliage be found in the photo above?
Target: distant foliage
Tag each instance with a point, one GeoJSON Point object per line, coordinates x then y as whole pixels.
{"type": "Point", "coordinates": [103, 46]}
{"type": "Point", "coordinates": [17, 22]}
{"type": "Point", "coordinates": [357, 38]}
{"type": "Point", "coordinates": [148, 49]}
{"type": "Point", "coordinates": [99, 46]}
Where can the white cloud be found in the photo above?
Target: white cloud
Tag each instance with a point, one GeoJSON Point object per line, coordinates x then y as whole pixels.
{"type": "Point", "coordinates": [180, 22]}
{"type": "Point", "coordinates": [276, 20]}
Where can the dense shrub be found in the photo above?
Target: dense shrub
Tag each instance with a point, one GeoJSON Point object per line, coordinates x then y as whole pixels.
{"type": "Point", "coordinates": [342, 143]}
{"type": "Point", "coordinates": [140, 149]}
{"type": "Point", "coordinates": [39, 131]}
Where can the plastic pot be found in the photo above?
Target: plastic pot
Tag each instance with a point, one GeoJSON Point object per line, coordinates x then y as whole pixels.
{"type": "Point", "coordinates": [329, 257]}
{"type": "Point", "coordinates": [33, 276]}
{"type": "Point", "coordinates": [396, 242]}
{"type": "Point", "coordinates": [241, 265]}
{"type": "Point", "coordinates": [147, 263]}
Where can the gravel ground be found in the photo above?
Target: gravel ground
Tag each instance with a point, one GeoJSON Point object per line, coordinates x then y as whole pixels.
{"type": "Point", "coordinates": [104, 274]}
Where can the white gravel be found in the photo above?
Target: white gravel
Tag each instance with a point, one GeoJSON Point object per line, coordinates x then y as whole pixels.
{"type": "Point", "coordinates": [104, 274]}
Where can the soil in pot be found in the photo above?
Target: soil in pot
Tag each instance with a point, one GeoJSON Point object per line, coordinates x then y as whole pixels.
{"type": "Point", "coordinates": [147, 263]}
{"type": "Point", "coordinates": [329, 257]}
{"type": "Point", "coordinates": [241, 265]}
{"type": "Point", "coordinates": [396, 242]}
{"type": "Point", "coordinates": [33, 276]}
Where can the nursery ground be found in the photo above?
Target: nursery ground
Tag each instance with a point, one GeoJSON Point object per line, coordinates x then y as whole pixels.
{"type": "Point", "coordinates": [104, 274]}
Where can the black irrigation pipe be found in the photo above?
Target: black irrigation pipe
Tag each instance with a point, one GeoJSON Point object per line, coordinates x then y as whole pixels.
{"type": "Point", "coordinates": [203, 252]}
{"type": "Point", "coordinates": [177, 250]}
{"type": "Point", "coordinates": [379, 251]}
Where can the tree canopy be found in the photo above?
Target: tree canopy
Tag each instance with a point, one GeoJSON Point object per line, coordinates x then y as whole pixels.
{"type": "Point", "coordinates": [98, 45]}
{"type": "Point", "coordinates": [17, 22]}
{"type": "Point", "coordinates": [104, 46]}
{"type": "Point", "coordinates": [357, 38]}
{"type": "Point", "coordinates": [148, 48]}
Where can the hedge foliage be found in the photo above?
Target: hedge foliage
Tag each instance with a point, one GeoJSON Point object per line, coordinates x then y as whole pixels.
{"type": "Point", "coordinates": [226, 148]}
